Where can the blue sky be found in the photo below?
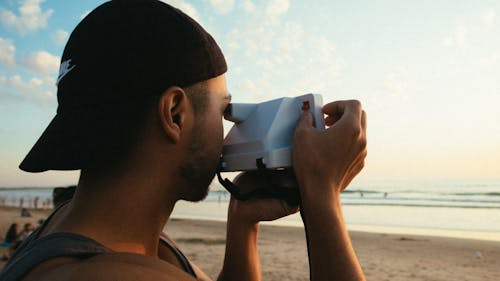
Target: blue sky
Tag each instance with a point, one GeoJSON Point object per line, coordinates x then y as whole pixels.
{"type": "Point", "coordinates": [427, 73]}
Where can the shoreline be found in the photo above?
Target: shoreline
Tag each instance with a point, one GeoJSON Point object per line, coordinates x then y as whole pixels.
{"type": "Point", "coordinates": [490, 236]}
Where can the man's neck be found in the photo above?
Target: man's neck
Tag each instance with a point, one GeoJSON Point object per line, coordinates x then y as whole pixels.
{"type": "Point", "coordinates": [126, 213]}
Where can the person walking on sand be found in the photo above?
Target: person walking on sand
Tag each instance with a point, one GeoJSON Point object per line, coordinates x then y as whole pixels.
{"type": "Point", "coordinates": [141, 97]}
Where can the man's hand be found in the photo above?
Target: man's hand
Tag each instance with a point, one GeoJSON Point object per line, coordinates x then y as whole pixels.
{"type": "Point", "coordinates": [333, 156]}
{"type": "Point", "coordinates": [262, 209]}
{"type": "Point", "coordinates": [325, 162]}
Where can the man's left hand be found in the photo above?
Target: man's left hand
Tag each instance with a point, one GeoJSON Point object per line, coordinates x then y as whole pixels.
{"type": "Point", "coordinates": [261, 209]}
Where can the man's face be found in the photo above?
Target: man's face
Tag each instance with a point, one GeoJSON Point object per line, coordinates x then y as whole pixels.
{"type": "Point", "coordinates": [205, 145]}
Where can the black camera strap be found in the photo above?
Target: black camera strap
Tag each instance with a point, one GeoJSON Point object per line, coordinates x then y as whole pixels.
{"type": "Point", "coordinates": [290, 195]}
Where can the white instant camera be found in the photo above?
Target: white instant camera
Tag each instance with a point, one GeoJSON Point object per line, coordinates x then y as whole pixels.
{"type": "Point", "coordinates": [262, 136]}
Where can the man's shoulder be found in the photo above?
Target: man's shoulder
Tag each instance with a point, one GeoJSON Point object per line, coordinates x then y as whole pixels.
{"type": "Point", "coordinates": [117, 266]}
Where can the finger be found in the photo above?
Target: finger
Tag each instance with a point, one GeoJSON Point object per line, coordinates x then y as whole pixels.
{"type": "Point", "coordinates": [284, 181]}
{"type": "Point", "coordinates": [334, 108]}
{"type": "Point", "coordinates": [238, 176]}
{"type": "Point", "coordinates": [353, 172]}
{"type": "Point", "coordinates": [244, 177]}
{"type": "Point", "coordinates": [355, 167]}
{"type": "Point", "coordinates": [250, 180]}
{"type": "Point", "coordinates": [331, 119]}
{"type": "Point", "coordinates": [328, 121]}
{"type": "Point", "coordinates": [363, 121]}
{"type": "Point", "coordinates": [339, 107]}
{"type": "Point", "coordinates": [305, 121]}
{"type": "Point", "coordinates": [285, 172]}
{"type": "Point", "coordinates": [339, 111]}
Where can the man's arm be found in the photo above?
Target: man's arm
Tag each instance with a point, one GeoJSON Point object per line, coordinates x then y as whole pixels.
{"type": "Point", "coordinates": [241, 261]}
{"type": "Point", "coordinates": [330, 249]}
{"type": "Point", "coordinates": [325, 162]}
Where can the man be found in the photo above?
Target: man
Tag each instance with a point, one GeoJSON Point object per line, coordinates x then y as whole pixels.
{"type": "Point", "coordinates": [141, 95]}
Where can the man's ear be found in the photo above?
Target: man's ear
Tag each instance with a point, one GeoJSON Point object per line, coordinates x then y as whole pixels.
{"type": "Point", "coordinates": [172, 109]}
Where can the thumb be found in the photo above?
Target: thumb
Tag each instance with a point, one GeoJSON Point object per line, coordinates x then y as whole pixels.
{"type": "Point", "coordinates": [305, 120]}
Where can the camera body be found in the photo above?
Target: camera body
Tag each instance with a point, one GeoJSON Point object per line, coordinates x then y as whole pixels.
{"type": "Point", "coordinates": [262, 136]}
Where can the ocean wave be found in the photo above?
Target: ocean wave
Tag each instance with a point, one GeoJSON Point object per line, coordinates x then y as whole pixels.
{"type": "Point", "coordinates": [419, 205]}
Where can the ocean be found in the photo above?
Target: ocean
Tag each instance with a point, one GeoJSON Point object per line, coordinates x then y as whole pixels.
{"type": "Point", "coordinates": [452, 208]}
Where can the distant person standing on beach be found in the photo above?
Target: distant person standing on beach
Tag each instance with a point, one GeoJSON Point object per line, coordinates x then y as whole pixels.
{"type": "Point", "coordinates": [142, 94]}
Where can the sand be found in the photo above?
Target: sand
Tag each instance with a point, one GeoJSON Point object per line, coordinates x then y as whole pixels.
{"type": "Point", "coordinates": [383, 256]}
{"type": "Point", "coordinates": [284, 257]}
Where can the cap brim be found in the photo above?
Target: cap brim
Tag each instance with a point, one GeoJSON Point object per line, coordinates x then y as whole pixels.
{"type": "Point", "coordinates": [71, 140]}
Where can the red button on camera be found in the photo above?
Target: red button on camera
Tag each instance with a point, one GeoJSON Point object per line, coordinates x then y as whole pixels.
{"type": "Point", "coordinates": [305, 106]}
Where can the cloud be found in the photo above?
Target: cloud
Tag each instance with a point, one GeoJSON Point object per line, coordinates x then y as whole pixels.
{"type": "Point", "coordinates": [488, 18]}
{"type": "Point", "coordinates": [490, 59]}
{"type": "Point", "coordinates": [232, 40]}
{"type": "Point", "coordinates": [394, 82]}
{"type": "Point", "coordinates": [41, 62]}
{"type": "Point", "coordinates": [60, 36]}
{"type": "Point", "coordinates": [276, 8]}
{"type": "Point", "coordinates": [31, 17]}
{"type": "Point", "coordinates": [291, 38]}
{"type": "Point", "coordinates": [266, 39]}
{"type": "Point", "coordinates": [248, 6]}
{"type": "Point", "coordinates": [495, 56]}
{"type": "Point", "coordinates": [266, 49]}
{"type": "Point", "coordinates": [34, 89]}
{"type": "Point", "coordinates": [187, 8]}
{"type": "Point", "coordinates": [457, 38]}
{"type": "Point", "coordinates": [248, 87]}
{"type": "Point", "coordinates": [319, 68]}
{"type": "Point", "coordinates": [7, 52]}
{"type": "Point", "coordinates": [222, 6]}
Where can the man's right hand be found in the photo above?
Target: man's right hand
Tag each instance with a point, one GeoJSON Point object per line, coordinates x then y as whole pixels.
{"type": "Point", "coordinates": [325, 162]}
{"type": "Point", "coordinates": [333, 156]}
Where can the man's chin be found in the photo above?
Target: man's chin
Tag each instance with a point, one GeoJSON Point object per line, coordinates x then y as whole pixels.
{"type": "Point", "coordinates": [198, 194]}
{"type": "Point", "coordinates": [198, 190]}
{"type": "Point", "coordinates": [198, 179]}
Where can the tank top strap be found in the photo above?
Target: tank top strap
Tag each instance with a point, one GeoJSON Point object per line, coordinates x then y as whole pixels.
{"type": "Point", "coordinates": [186, 265]}
{"type": "Point", "coordinates": [35, 251]}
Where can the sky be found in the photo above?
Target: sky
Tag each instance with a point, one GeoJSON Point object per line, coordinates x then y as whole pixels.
{"type": "Point", "coordinates": [427, 73]}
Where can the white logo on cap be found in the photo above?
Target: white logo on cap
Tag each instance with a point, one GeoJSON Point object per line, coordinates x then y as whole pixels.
{"type": "Point", "coordinates": [65, 68]}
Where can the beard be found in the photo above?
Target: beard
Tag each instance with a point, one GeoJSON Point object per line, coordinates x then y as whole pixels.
{"type": "Point", "coordinates": [200, 168]}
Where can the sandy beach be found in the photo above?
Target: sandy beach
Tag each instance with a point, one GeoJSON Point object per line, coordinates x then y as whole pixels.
{"type": "Point", "coordinates": [284, 256]}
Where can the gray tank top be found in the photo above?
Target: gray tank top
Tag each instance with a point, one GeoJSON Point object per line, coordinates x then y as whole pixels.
{"type": "Point", "coordinates": [34, 251]}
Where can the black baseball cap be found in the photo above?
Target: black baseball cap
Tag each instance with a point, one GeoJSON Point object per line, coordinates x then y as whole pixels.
{"type": "Point", "coordinates": [120, 55]}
